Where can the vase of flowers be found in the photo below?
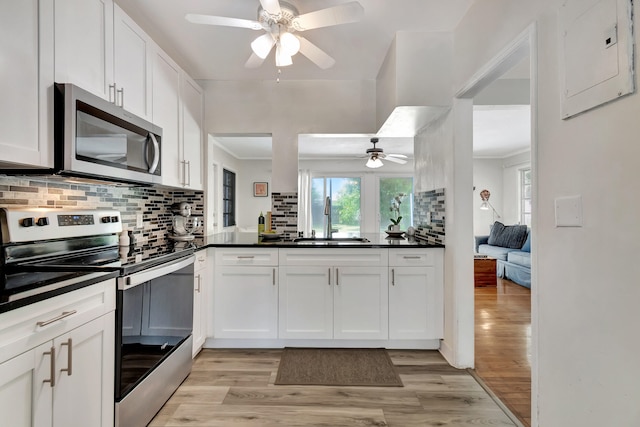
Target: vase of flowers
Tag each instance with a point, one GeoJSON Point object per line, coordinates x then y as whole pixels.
{"type": "Point", "coordinates": [395, 212]}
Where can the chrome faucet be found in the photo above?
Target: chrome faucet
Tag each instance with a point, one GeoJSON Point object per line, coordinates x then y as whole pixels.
{"type": "Point", "coordinates": [327, 212]}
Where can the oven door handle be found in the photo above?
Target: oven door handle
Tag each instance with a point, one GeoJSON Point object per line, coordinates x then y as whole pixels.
{"type": "Point", "coordinates": [144, 276]}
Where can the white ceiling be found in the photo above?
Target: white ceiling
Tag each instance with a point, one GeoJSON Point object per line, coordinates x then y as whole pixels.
{"type": "Point", "coordinates": [219, 53]}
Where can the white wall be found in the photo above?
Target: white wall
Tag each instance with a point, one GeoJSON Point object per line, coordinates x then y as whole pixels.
{"type": "Point", "coordinates": [287, 109]}
{"type": "Point", "coordinates": [586, 292]}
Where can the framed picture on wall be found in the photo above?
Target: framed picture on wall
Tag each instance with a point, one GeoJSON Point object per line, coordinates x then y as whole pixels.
{"type": "Point", "coordinates": [260, 189]}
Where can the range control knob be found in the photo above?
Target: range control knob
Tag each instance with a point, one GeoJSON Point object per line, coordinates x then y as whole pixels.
{"type": "Point", "coordinates": [26, 222]}
{"type": "Point", "coordinates": [42, 221]}
{"type": "Point", "coordinates": [105, 219]}
{"type": "Point", "coordinates": [114, 219]}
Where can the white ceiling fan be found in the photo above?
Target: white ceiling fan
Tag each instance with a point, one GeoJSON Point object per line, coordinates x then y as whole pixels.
{"type": "Point", "coordinates": [281, 21]}
{"type": "Point", "coordinates": [375, 155]}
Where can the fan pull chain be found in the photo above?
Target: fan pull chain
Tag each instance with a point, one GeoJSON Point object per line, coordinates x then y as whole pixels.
{"type": "Point", "coordinates": [278, 78]}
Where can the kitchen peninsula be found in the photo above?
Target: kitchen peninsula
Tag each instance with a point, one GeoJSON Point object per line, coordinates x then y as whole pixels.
{"type": "Point", "coordinates": [381, 292]}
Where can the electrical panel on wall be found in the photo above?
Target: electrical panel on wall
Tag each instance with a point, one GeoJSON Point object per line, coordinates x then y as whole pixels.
{"type": "Point", "coordinates": [596, 53]}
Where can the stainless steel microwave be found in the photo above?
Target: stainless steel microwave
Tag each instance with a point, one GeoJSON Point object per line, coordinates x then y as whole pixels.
{"type": "Point", "coordinates": [97, 139]}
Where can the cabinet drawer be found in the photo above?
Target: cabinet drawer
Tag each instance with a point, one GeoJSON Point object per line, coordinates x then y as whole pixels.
{"type": "Point", "coordinates": [22, 329]}
{"type": "Point", "coordinates": [335, 257]}
{"type": "Point", "coordinates": [415, 257]}
{"type": "Point", "coordinates": [201, 260]}
{"type": "Point", "coordinates": [247, 257]}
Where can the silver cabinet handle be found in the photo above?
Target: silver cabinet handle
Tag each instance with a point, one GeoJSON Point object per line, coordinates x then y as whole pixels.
{"type": "Point", "coordinates": [274, 277]}
{"type": "Point", "coordinates": [411, 257]}
{"type": "Point", "coordinates": [201, 258]}
{"type": "Point", "coordinates": [246, 256]}
{"type": "Point", "coordinates": [121, 92]}
{"type": "Point", "coordinates": [156, 153]}
{"type": "Point", "coordinates": [393, 277]}
{"type": "Point", "coordinates": [329, 276]}
{"type": "Point", "coordinates": [55, 319]}
{"type": "Point", "coordinates": [69, 368]}
{"type": "Point", "coordinates": [52, 366]}
{"type": "Point", "coordinates": [337, 277]}
{"type": "Point", "coordinates": [112, 90]}
{"type": "Point", "coordinates": [188, 162]}
{"type": "Point", "coordinates": [184, 172]}
{"type": "Point", "coordinates": [198, 278]}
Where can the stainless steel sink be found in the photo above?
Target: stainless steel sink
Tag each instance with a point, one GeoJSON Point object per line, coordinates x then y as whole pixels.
{"type": "Point", "coordinates": [332, 241]}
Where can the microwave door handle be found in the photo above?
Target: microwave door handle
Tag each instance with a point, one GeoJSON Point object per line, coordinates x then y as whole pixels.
{"type": "Point", "coordinates": [156, 153]}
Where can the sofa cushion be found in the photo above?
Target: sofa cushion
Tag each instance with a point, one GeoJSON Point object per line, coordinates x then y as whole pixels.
{"type": "Point", "coordinates": [527, 243]}
{"type": "Point", "coordinates": [510, 236]}
{"type": "Point", "coordinates": [494, 251]}
{"type": "Point", "coordinates": [520, 257]}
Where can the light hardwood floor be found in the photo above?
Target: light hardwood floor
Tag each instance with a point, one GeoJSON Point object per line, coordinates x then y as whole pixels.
{"type": "Point", "coordinates": [503, 344]}
{"type": "Point", "coordinates": [235, 388]}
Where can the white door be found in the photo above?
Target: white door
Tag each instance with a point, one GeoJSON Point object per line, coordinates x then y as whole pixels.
{"type": "Point", "coordinates": [192, 116]}
{"type": "Point", "coordinates": [361, 303]}
{"type": "Point", "coordinates": [83, 394]}
{"type": "Point", "coordinates": [132, 56]}
{"type": "Point", "coordinates": [26, 43]}
{"type": "Point", "coordinates": [166, 114]}
{"type": "Point", "coordinates": [246, 302]}
{"type": "Point", "coordinates": [84, 44]}
{"type": "Point", "coordinates": [410, 309]}
{"type": "Point", "coordinates": [17, 383]}
{"type": "Point", "coordinates": [306, 302]}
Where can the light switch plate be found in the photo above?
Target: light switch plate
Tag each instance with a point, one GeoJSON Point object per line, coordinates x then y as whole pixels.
{"type": "Point", "coordinates": [568, 211]}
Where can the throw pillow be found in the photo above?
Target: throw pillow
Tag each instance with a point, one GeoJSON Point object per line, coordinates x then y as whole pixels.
{"type": "Point", "coordinates": [527, 243]}
{"type": "Point", "coordinates": [510, 236]}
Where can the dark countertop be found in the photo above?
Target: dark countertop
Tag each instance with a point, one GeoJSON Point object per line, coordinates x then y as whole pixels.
{"type": "Point", "coordinates": [245, 240]}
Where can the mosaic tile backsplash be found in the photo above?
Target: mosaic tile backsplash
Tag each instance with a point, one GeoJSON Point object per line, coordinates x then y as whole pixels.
{"type": "Point", "coordinates": [429, 215]}
{"type": "Point", "coordinates": [284, 214]}
{"type": "Point", "coordinates": [152, 203]}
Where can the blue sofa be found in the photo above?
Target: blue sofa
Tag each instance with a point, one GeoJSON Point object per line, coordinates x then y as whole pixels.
{"type": "Point", "coordinates": [513, 257]}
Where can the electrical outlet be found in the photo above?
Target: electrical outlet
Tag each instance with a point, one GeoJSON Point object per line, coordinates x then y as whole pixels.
{"type": "Point", "coordinates": [139, 223]}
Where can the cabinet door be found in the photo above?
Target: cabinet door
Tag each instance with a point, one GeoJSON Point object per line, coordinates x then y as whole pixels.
{"type": "Point", "coordinates": [412, 312]}
{"type": "Point", "coordinates": [192, 116]}
{"type": "Point", "coordinates": [246, 302]}
{"type": "Point", "coordinates": [84, 44]}
{"type": "Point", "coordinates": [166, 114]}
{"type": "Point", "coordinates": [83, 394]}
{"type": "Point", "coordinates": [305, 302]}
{"type": "Point", "coordinates": [26, 43]}
{"type": "Point", "coordinates": [17, 390]}
{"type": "Point", "coordinates": [361, 303]}
{"type": "Point", "coordinates": [199, 312]}
{"type": "Point", "coordinates": [132, 73]}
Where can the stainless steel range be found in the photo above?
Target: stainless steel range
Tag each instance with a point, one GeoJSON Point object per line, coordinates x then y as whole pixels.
{"type": "Point", "coordinates": [47, 252]}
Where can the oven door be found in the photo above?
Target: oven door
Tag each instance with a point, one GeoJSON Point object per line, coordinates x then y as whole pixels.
{"type": "Point", "coordinates": [154, 316]}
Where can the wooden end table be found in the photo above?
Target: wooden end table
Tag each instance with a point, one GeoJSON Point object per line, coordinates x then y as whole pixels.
{"type": "Point", "coordinates": [484, 271]}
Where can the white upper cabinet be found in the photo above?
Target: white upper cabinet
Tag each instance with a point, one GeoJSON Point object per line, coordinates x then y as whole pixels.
{"type": "Point", "coordinates": [132, 65]}
{"type": "Point", "coordinates": [84, 45]}
{"type": "Point", "coordinates": [178, 108]}
{"type": "Point", "coordinates": [101, 49]}
{"type": "Point", "coordinates": [26, 68]}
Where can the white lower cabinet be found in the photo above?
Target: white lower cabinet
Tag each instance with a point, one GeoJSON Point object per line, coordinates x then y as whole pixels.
{"type": "Point", "coordinates": [201, 281]}
{"type": "Point", "coordinates": [246, 293]}
{"type": "Point", "coordinates": [333, 293]}
{"type": "Point", "coordinates": [415, 294]}
{"type": "Point", "coordinates": [60, 372]}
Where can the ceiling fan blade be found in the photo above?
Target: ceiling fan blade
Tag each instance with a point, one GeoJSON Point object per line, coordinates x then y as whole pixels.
{"type": "Point", "coordinates": [399, 156]}
{"type": "Point", "coordinates": [223, 21]}
{"type": "Point", "coordinates": [254, 61]}
{"type": "Point", "coordinates": [315, 54]}
{"type": "Point", "coordinates": [395, 160]}
{"type": "Point", "coordinates": [343, 14]}
{"type": "Point", "coordinates": [271, 6]}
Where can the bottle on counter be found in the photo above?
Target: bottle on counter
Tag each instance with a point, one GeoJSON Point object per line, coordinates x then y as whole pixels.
{"type": "Point", "coordinates": [260, 224]}
{"type": "Point", "coordinates": [124, 238]}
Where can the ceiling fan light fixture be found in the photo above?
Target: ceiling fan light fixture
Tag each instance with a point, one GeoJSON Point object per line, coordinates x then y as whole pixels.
{"type": "Point", "coordinates": [282, 59]}
{"type": "Point", "coordinates": [289, 44]}
{"type": "Point", "coordinates": [374, 162]}
{"type": "Point", "coordinates": [262, 45]}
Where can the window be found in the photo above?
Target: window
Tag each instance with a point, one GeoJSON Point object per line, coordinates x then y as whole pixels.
{"type": "Point", "coordinates": [228, 198]}
{"type": "Point", "coordinates": [525, 196]}
{"type": "Point", "coordinates": [390, 189]}
{"type": "Point", "coordinates": [345, 205]}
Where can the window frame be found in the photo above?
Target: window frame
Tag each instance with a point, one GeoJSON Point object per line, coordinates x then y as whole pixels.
{"type": "Point", "coordinates": [325, 176]}
{"type": "Point", "coordinates": [229, 216]}
{"type": "Point", "coordinates": [523, 198]}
